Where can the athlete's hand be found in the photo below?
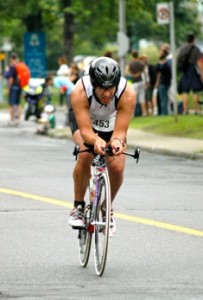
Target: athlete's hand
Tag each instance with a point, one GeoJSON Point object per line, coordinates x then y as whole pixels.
{"type": "Point", "coordinates": [99, 146]}
{"type": "Point", "coordinates": [117, 147]}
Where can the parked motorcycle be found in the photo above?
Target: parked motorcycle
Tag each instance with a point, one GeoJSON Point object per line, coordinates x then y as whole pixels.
{"type": "Point", "coordinates": [33, 94]}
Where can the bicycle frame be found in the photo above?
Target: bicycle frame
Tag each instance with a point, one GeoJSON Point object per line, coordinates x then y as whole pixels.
{"type": "Point", "coordinates": [97, 217]}
{"type": "Point", "coordinates": [98, 167]}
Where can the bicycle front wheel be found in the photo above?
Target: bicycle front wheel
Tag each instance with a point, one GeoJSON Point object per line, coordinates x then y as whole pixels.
{"type": "Point", "coordinates": [102, 223]}
{"type": "Point", "coordinates": [85, 234]}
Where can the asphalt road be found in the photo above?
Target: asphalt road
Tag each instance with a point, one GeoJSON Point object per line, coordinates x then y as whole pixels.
{"type": "Point", "coordinates": [155, 254]}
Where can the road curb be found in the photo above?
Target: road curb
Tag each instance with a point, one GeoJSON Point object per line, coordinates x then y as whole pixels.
{"type": "Point", "coordinates": [65, 133]}
{"type": "Point", "coordinates": [192, 156]}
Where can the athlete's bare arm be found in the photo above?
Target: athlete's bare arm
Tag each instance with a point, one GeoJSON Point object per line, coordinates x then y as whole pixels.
{"type": "Point", "coordinates": [126, 106]}
{"type": "Point", "coordinates": [80, 105]}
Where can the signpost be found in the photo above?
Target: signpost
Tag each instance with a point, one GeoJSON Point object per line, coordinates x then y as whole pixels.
{"type": "Point", "coordinates": [123, 40]}
{"type": "Point", "coordinates": [6, 47]}
{"type": "Point", "coordinates": [165, 15]}
{"type": "Point", "coordinates": [124, 43]}
{"type": "Point", "coordinates": [35, 58]}
{"type": "Point", "coordinates": [174, 74]}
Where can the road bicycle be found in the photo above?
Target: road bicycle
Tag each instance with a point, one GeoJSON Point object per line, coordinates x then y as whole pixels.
{"type": "Point", "coordinates": [97, 212]}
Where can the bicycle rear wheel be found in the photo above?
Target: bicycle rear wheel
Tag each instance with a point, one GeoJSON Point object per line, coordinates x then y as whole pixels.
{"type": "Point", "coordinates": [85, 234]}
{"type": "Point", "coordinates": [102, 223]}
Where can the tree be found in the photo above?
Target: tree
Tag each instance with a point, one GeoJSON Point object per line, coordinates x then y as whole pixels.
{"type": "Point", "coordinates": [68, 29]}
{"type": "Point", "coordinates": [73, 26]}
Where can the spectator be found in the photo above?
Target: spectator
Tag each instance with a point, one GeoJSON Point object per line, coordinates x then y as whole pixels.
{"type": "Point", "coordinates": [136, 70]}
{"type": "Point", "coordinates": [74, 73]}
{"type": "Point", "coordinates": [63, 66]}
{"type": "Point", "coordinates": [65, 85]}
{"type": "Point", "coordinates": [191, 80]}
{"type": "Point", "coordinates": [149, 76]}
{"type": "Point", "coordinates": [47, 89]}
{"type": "Point", "coordinates": [108, 54]}
{"type": "Point", "coordinates": [6, 72]}
{"type": "Point", "coordinates": [14, 90]}
{"type": "Point", "coordinates": [62, 71]}
{"type": "Point", "coordinates": [166, 48]}
{"type": "Point", "coordinates": [151, 103]}
{"type": "Point", "coordinates": [163, 81]}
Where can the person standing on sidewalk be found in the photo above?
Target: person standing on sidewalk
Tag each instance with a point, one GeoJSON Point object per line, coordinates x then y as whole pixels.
{"type": "Point", "coordinates": [14, 90]}
{"type": "Point", "coordinates": [137, 73]}
{"type": "Point", "coordinates": [65, 85]}
{"type": "Point", "coordinates": [188, 61]}
{"type": "Point", "coordinates": [63, 71]}
{"type": "Point", "coordinates": [163, 81]}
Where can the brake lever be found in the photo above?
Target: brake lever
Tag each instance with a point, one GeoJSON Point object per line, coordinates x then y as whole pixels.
{"type": "Point", "coordinates": [76, 151]}
{"type": "Point", "coordinates": [136, 154]}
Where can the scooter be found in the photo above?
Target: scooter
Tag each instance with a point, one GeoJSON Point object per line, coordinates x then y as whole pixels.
{"type": "Point", "coordinates": [33, 94]}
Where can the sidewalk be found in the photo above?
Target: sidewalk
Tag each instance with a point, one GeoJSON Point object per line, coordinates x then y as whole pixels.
{"type": "Point", "coordinates": [177, 146]}
{"type": "Point", "coordinates": [182, 147]}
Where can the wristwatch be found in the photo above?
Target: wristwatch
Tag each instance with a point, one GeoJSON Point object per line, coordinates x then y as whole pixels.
{"type": "Point", "coordinates": [120, 140]}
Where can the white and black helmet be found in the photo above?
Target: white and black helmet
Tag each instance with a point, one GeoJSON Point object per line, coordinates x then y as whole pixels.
{"type": "Point", "coordinates": [104, 72]}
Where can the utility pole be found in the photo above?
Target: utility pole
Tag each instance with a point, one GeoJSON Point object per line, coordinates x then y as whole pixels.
{"type": "Point", "coordinates": [123, 40]}
{"type": "Point", "coordinates": [165, 15]}
{"type": "Point", "coordinates": [173, 51]}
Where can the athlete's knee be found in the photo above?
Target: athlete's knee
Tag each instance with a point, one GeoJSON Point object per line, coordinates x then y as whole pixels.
{"type": "Point", "coordinates": [117, 170]}
{"type": "Point", "coordinates": [84, 159]}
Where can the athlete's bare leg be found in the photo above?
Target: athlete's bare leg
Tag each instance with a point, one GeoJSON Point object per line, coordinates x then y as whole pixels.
{"type": "Point", "coordinates": [116, 169]}
{"type": "Point", "coordinates": [81, 172]}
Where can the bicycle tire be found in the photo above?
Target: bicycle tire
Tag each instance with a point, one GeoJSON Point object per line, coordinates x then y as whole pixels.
{"type": "Point", "coordinates": [85, 236]}
{"type": "Point", "coordinates": [102, 224]}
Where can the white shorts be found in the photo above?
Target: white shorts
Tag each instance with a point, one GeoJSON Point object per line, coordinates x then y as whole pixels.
{"type": "Point", "coordinates": [139, 88]}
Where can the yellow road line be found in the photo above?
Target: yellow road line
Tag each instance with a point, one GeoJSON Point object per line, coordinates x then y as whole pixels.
{"type": "Point", "coordinates": [36, 197]}
{"type": "Point", "coordinates": [134, 219]}
{"type": "Point", "coordinates": [162, 225]}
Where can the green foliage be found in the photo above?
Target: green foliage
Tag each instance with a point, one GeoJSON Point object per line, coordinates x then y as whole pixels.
{"type": "Point", "coordinates": [189, 126]}
{"type": "Point", "coordinates": [186, 20]}
{"type": "Point", "coordinates": [95, 23]}
{"type": "Point", "coordinates": [152, 53]}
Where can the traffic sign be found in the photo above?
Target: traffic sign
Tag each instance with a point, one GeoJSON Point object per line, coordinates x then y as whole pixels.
{"type": "Point", "coordinates": [123, 43]}
{"type": "Point", "coordinates": [163, 13]}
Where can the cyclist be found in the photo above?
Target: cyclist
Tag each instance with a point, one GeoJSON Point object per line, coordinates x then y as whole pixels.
{"type": "Point", "coordinates": [102, 106]}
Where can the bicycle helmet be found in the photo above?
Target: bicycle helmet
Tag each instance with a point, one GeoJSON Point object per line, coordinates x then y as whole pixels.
{"type": "Point", "coordinates": [104, 72]}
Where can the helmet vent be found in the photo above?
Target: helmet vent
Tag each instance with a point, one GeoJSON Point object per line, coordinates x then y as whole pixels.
{"type": "Point", "coordinates": [104, 72]}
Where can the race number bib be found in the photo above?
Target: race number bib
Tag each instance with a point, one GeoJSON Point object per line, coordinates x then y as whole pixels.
{"type": "Point", "coordinates": [103, 125]}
